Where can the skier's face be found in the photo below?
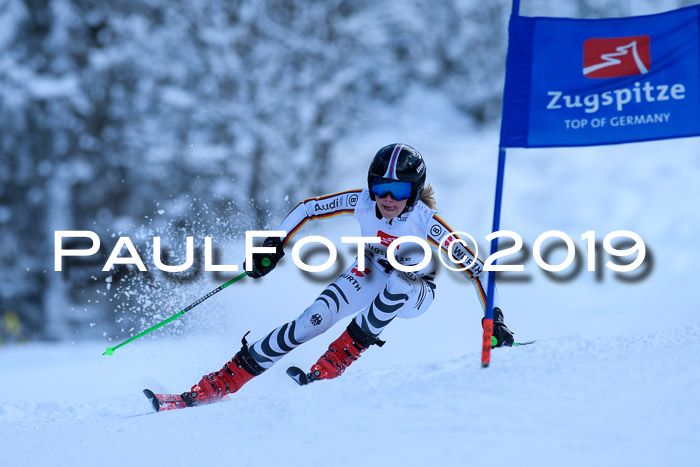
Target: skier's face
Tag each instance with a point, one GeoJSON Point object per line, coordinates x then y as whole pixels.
{"type": "Point", "coordinates": [389, 207]}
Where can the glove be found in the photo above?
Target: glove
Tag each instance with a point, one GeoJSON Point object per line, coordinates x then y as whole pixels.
{"type": "Point", "coordinates": [263, 263]}
{"type": "Point", "coordinates": [501, 334]}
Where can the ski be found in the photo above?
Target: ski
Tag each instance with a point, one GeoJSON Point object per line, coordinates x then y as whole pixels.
{"type": "Point", "coordinates": [303, 378]}
{"type": "Point", "coordinates": [163, 402]}
{"type": "Point", "coordinates": [299, 376]}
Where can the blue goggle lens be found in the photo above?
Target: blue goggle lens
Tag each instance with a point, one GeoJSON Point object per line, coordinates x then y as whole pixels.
{"type": "Point", "coordinates": [398, 190]}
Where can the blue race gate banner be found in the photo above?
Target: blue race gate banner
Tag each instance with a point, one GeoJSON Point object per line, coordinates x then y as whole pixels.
{"type": "Point", "coordinates": [576, 82]}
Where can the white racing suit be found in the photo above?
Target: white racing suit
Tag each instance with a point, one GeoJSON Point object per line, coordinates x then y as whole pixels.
{"type": "Point", "coordinates": [379, 293]}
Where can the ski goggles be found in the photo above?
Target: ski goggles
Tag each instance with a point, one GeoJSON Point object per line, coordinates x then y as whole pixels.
{"type": "Point", "coordinates": [383, 186]}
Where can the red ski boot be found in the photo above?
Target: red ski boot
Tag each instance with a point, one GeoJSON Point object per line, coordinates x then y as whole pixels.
{"type": "Point", "coordinates": [342, 352]}
{"type": "Point", "coordinates": [214, 386]}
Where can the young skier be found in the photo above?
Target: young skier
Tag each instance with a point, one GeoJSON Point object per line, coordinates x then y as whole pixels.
{"type": "Point", "coordinates": [394, 204]}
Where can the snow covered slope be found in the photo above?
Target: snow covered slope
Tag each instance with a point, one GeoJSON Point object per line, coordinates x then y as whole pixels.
{"type": "Point", "coordinates": [613, 379]}
{"type": "Point", "coordinates": [606, 401]}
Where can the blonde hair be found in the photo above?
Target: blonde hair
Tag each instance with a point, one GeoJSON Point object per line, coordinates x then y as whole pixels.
{"type": "Point", "coordinates": [428, 197]}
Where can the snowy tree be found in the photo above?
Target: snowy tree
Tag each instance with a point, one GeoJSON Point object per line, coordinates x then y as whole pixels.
{"type": "Point", "coordinates": [135, 116]}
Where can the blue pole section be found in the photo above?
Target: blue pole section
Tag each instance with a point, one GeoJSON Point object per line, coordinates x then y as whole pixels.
{"type": "Point", "coordinates": [497, 208]}
{"type": "Point", "coordinates": [495, 228]}
{"type": "Point", "coordinates": [491, 288]}
{"type": "Point", "coordinates": [488, 313]}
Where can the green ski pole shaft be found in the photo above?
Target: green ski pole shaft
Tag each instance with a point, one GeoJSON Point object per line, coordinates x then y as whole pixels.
{"type": "Point", "coordinates": [110, 350]}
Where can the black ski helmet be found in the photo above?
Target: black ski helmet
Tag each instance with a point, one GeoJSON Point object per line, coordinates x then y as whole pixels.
{"type": "Point", "coordinates": [399, 162]}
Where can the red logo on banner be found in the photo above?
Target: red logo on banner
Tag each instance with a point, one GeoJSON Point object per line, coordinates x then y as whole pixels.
{"type": "Point", "coordinates": [386, 238]}
{"type": "Point", "coordinates": [616, 56]}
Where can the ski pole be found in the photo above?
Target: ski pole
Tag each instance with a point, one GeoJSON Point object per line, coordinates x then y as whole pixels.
{"type": "Point", "coordinates": [110, 350]}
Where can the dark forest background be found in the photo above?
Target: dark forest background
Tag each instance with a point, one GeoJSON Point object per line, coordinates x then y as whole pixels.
{"type": "Point", "coordinates": [128, 115]}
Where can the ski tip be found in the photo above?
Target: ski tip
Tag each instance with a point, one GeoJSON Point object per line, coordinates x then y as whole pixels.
{"type": "Point", "coordinates": [523, 343]}
{"type": "Point", "coordinates": [153, 399]}
{"type": "Point", "coordinates": [108, 351]}
{"type": "Point", "coordinates": [298, 375]}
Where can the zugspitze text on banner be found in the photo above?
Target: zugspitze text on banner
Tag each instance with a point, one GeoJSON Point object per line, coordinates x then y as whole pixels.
{"type": "Point", "coordinates": [578, 82]}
